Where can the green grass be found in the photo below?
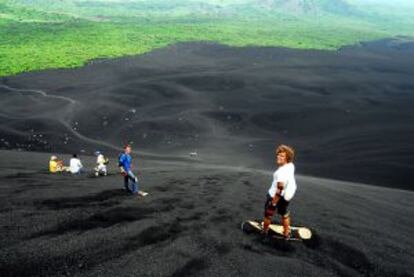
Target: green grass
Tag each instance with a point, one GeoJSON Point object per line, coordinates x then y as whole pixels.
{"type": "Point", "coordinates": [59, 34]}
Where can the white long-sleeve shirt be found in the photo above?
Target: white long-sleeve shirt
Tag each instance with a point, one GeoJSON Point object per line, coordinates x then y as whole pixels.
{"type": "Point", "coordinates": [100, 159]}
{"type": "Point", "coordinates": [75, 165]}
{"type": "Point", "coordinates": [286, 175]}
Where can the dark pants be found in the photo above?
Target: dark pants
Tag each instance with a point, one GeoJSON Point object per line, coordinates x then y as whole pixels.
{"type": "Point", "coordinates": [281, 207]}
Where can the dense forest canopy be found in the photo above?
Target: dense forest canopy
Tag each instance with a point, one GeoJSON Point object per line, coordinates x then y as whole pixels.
{"type": "Point", "coordinates": [40, 34]}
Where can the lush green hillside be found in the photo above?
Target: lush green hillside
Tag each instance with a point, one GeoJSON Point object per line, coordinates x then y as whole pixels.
{"type": "Point", "coordinates": [40, 34]}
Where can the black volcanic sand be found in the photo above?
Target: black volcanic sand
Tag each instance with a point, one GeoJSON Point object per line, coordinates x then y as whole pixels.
{"type": "Point", "coordinates": [189, 225]}
{"type": "Point", "coordinates": [348, 113]}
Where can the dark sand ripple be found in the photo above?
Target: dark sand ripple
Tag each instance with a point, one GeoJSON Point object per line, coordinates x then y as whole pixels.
{"type": "Point", "coordinates": [189, 225]}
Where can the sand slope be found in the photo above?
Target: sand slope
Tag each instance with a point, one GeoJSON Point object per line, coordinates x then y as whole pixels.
{"type": "Point", "coordinates": [348, 113]}
{"type": "Point", "coordinates": [189, 225]}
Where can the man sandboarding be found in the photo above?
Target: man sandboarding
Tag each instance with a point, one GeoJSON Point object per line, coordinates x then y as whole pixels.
{"type": "Point", "coordinates": [125, 161]}
{"type": "Point", "coordinates": [281, 191]}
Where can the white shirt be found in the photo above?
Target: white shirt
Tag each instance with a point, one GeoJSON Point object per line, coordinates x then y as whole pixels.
{"type": "Point", "coordinates": [75, 165]}
{"type": "Point", "coordinates": [101, 159]}
{"type": "Point", "coordinates": [286, 175]}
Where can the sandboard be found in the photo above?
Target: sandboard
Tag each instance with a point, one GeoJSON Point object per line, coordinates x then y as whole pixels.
{"type": "Point", "coordinates": [276, 230]}
{"type": "Point", "coordinates": [143, 193]}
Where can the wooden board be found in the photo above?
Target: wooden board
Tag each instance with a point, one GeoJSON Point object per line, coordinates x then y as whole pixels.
{"type": "Point", "coordinates": [256, 225]}
{"type": "Point", "coordinates": [143, 193]}
{"type": "Point", "coordinates": [298, 233]}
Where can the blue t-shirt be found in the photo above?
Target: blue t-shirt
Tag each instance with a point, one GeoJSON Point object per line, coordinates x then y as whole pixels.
{"type": "Point", "coordinates": [125, 161]}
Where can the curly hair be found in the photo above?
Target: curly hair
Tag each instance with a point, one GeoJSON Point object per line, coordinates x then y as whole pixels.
{"type": "Point", "coordinates": [290, 153]}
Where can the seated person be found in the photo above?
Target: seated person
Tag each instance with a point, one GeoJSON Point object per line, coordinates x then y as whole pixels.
{"type": "Point", "coordinates": [75, 166]}
{"type": "Point", "coordinates": [101, 162]}
{"type": "Point", "coordinates": [56, 165]}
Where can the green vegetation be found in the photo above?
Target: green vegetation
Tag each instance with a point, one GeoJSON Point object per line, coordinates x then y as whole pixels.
{"type": "Point", "coordinates": [43, 34]}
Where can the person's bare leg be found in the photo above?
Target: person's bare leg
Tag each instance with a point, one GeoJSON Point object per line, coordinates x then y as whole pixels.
{"type": "Point", "coordinates": [286, 225]}
{"type": "Point", "coordinates": [266, 224]}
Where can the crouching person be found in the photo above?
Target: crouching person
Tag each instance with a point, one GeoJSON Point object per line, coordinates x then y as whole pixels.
{"type": "Point", "coordinates": [56, 165]}
{"type": "Point", "coordinates": [101, 163]}
{"type": "Point", "coordinates": [75, 166]}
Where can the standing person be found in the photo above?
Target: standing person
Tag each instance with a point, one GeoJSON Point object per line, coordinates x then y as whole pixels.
{"type": "Point", "coordinates": [125, 161]}
{"type": "Point", "coordinates": [282, 190]}
{"type": "Point", "coordinates": [101, 162]}
{"type": "Point", "coordinates": [75, 166]}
